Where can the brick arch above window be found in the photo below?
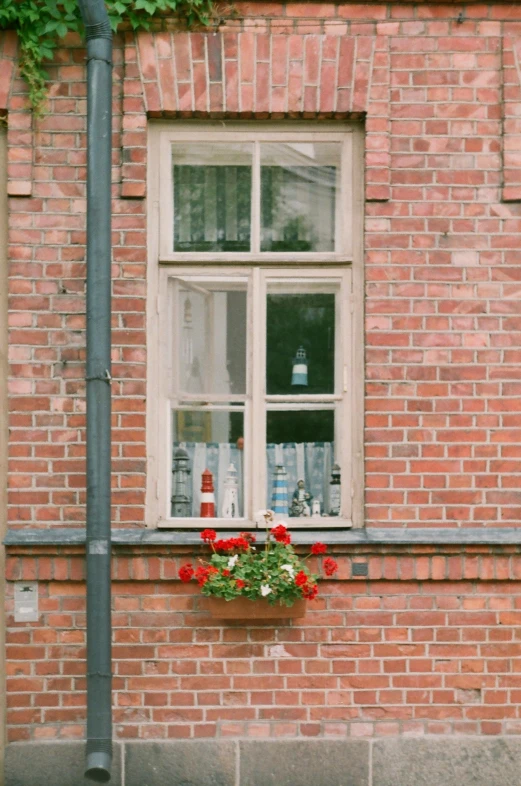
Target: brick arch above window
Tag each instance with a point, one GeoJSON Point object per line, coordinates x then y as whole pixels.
{"type": "Point", "coordinates": [260, 75]}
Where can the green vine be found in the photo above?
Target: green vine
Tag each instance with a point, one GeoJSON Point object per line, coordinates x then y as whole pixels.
{"type": "Point", "coordinates": [42, 24]}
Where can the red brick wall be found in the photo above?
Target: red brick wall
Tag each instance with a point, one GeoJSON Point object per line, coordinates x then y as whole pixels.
{"type": "Point", "coordinates": [432, 643]}
{"type": "Point", "coordinates": [428, 644]}
{"type": "Point", "coordinates": [442, 248]}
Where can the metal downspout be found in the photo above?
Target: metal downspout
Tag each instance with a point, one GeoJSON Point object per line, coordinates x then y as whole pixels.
{"type": "Point", "coordinates": [98, 542]}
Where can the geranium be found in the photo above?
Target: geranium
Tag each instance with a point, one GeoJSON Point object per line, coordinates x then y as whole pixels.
{"type": "Point", "coordinates": [318, 548]}
{"type": "Point", "coordinates": [208, 535]}
{"type": "Point", "coordinates": [237, 568]}
{"type": "Point", "coordinates": [186, 572]}
{"type": "Point", "coordinates": [232, 544]}
{"type": "Point", "coordinates": [203, 573]}
{"type": "Point", "coordinates": [330, 566]}
{"type": "Point", "coordinates": [281, 534]}
{"type": "Point", "coordinates": [310, 591]}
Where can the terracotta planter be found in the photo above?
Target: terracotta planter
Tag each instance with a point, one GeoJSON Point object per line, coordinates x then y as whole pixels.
{"type": "Point", "coordinates": [245, 609]}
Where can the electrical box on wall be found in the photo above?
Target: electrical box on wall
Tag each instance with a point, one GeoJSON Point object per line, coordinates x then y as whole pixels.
{"type": "Point", "coordinates": [26, 601]}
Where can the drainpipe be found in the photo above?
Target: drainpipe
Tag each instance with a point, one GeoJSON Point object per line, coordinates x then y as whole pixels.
{"type": "Point", "coordinates": [98, 545]}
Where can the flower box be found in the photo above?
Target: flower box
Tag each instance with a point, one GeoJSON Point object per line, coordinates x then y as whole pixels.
{"type": "Point", "coordinates": [246, 609]}
{"type": "Point", "coordinates": [241, 578]}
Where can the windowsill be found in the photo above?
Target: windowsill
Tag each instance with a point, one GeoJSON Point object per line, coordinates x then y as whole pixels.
{"type": "Point", "coordinates": [315, 523]}
{"type": "Point", "coordinates": [58, 536]}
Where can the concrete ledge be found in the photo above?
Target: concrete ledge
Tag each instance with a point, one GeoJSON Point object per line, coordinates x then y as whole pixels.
{"type": "Point", "coordinates": [71, 536]}
{"type": "Point", "coordinates": [181, 763]}
{"type": "Point", "coordinates": [56, 763]}
{"type": "Point", "coordinates": [447, 761]}
{"type": "Point", "coordinates": [393, 761]}
{"type": "Point", "coordinates": [304, 763]}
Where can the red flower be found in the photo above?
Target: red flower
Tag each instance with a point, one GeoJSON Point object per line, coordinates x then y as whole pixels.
{"type": "Point", "coordinates": [310, 591]}
{"type": "Point", "coordinates": [240, 583]}
{"type": "Point", "coordinates": [226, 573]}
{"type": "Point", "coordinates": [318, 548]}
{"type": "Point", "coordinates": [281, 534]}
{"type": "Point", "coordinates": [330, 566]}
{"type": "Point", "coordinates": [208, 535]}
{"type": "Point", "coordinates": [232, 544]}
{"type": "Point", "coordinates": [186, 572]}
{"type": "Point", "coordinates": [202, 574]}
{"type": "Point", "coordinates": [301, 579]}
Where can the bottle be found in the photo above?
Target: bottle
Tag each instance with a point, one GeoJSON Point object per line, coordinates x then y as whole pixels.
{"type": "Point", "coordinates": [334, 491]}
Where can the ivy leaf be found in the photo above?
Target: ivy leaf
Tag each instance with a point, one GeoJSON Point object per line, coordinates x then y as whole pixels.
{"type": "Point", "coordinates": [62, 30]}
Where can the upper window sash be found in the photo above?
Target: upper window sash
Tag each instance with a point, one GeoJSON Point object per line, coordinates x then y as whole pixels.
{"type": "Point", "coordinates": [343, 250]}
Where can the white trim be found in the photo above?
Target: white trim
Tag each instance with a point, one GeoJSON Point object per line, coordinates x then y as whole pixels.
{"type": "Point", "coordinates": [344, 268]}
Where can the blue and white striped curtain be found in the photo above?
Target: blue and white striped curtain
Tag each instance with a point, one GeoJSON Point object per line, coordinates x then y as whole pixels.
{"type": "Point", "coordinates": [311, 461]}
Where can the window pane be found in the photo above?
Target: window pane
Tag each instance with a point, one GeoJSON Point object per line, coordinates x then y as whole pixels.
{"type": "Point", "coordinates": [212, 197]}
{"type": "Point", "coordinates": [301, 472]}
{"type": "Point", "coordinates": [211, 331]}
{"type": "Point", "coordinates": [213, 441]}
{"type": "Point", "coordinates": [299, 184]}
{"type": "Point", "coordinates": [300, 343]}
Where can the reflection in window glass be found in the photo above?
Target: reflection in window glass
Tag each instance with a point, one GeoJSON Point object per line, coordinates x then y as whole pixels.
{"type": "Point", "coordinates": [300, 463]}
{"type": "Point", "coordinates": [207, 440]}
{"type": "Point", "coordinates": [300, 338]}
{"type": "Point", "coordinates": [299, 183]}
{"type": "Point", "coordinates": [212, 197]}
{"type": "Point", "coordinates": [212, 336]}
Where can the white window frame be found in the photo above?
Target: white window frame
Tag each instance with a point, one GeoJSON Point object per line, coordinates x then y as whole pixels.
{"type": "Point", "coordinates": [345, 263]}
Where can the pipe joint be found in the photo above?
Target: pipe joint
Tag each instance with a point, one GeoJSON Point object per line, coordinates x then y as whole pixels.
{"type": "Point", "coordinates": [99, 30]}
{"type": "Point", "coordinates": [100, 49]}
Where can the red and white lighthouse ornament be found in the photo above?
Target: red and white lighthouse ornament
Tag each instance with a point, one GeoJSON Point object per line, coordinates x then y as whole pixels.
{"type": "Point", "coordinates": [207, 496]}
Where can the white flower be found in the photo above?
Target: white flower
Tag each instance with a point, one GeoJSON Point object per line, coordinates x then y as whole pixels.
{"type": "Point", "coordinates": [264, 517]}
{"type": "Point", "coordinates": [289, 569]}
{"type": "Point", "coordinates": [232, 561]}
{"type": "Point", "coordinates": [265, 590]}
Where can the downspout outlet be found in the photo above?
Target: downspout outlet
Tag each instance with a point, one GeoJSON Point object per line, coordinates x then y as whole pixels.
{"type": "Point", "coordinates": [98, 765]}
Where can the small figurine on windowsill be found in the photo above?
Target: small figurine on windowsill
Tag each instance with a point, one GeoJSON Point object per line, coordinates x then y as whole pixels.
{"type": "Point", "coordinates": [301, 502]}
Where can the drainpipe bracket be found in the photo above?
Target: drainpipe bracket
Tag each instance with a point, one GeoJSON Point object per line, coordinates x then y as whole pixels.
{"type": "Point", "coordinates": [105, 377]}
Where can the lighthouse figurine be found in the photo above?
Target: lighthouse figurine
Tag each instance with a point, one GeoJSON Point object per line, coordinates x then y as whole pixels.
{"type": "Point", "coordinates": [207, 496]}
{"type": "Point", "coordinates": [230, 505]}
{"type": "Point", "coordinates": [279, 499]}
{"type": "Point", "coordinates": [181, 502]}
{"type": "Point", "coordinates": [299, 376]}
